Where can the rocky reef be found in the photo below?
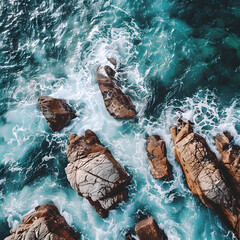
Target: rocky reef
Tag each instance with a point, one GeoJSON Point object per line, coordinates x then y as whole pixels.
{"type": "Point", "coordinates": [45, 223]}
{"type": "Point", "coordinates": [203, 173]}
{"type": "Point", "coordinates": [94, 173]}
{"type": "Point", "coordinates": [160, 168]}
{"type": "Point", "coordinates": [56, 111]}
{"type": "Point", "coordinates": [118, 104]}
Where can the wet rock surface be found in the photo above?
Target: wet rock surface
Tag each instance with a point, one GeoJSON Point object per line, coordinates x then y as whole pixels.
{"type": "Point", "coordinates": [94, 173]}
{"type": "Point", "coordinates": [230, 157]}
{"type": "Point", "coordinates": [129, 237]}
{"type": "Point", "coordinates": [160, 168]}
{"type": "Point", "coordinates": [118, 104]}
{"type": "Point", "coordinates": [203, 175]}
{"type": "Point", "coordinates": [45, 223]}
{"type": "Point", "coordinates": [148, 229]}
{"type": "Point", "coordinates": [56, 111]}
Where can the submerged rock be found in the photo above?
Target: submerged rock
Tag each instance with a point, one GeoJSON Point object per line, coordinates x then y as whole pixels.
{"type": "Point", "coordinates": [129, 236]}
{"type": "Point", "coordinates": [94, 173]}
{"type": "Point", "coordinates": [203, 174]}
{"type": "Point", "coordinates": [230, 156]}
{"type": "Point", "coordinates": [56, 111]}
{"type": "Point", "coordinates": [45, 223]}
{"type": "Point", "coordinates": [112, 61]}
{"type": "Point", "coordinates": [118, 104]}
{"type": "Point", "coordinates": [148, 229]}
{"type": "Point", "coordinates": [160, 168]}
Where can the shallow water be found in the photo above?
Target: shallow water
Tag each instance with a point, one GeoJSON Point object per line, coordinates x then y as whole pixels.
{"type": "Point", "coordinates": [177, 58]}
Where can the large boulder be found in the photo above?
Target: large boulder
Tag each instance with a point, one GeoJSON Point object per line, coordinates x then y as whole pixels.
{"type": "Point", "coordinates": [94, 173]}
{"type": "Point", "coordinates": [118, 104]}
{"type": "Point", "coordinates": [157, 156]}
{"type": "Point", "coordinates": [56, 111]}
{"type": "Point", "coordinates": [203, 174]}
{"type": "Point", "coordinates": [148, 229]}
{"type": "Point", "coordinates": [45, 223]}
{"type": "Point", "coordinates": [230, 156]}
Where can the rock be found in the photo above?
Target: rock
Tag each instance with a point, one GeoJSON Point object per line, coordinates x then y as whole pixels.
{"type": "Point", "coordinates": [129, 236]}
{"type": "Point", "coordinates": [118, 104]}
{"type": "Point", "coordinates": [109, 71]}
{"type": "Point", "coordinates": [45, 223]}
{"type": "Point", "coordinates": [94, 173]}
{"type": "Point", "coordinates": [148, 229]}
{"type": "Point", "coordinates": [230, 156]}
{"type": "Point", "coordinates": [157, 156]}
{"type": "Point", "coordinates": [112, 61]}
{"type": "Point", "coordinates": [56, 111]}
{"type": "Point", "coordinates": [203, 174]}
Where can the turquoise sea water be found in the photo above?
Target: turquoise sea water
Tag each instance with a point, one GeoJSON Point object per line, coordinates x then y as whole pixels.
{"type": "Point", "coordinates": [177, 58]}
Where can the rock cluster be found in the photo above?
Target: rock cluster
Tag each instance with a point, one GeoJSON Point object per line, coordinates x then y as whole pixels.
{"type": "Point", "coordinates": [148, 229]}
{"type": "Point", "coordinates": [56, 111]}
{"type": "Point", "coordinates": [202, 172]}
{"type": "Point", "coordinates": [94, 173]}
{"type": "Point", "coordinates": [45, 223]}
{"type": "Point", "coordinates": [157, 156]}
{"type": "Point", "coordinates": [118, 104]}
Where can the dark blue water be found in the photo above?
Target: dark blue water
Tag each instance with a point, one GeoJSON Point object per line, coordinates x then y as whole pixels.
{"type": "Point", "coordinates": [177, 58]}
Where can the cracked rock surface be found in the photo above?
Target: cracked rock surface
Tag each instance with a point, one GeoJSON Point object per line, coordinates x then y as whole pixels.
{"type": "Point", "coordinates": [45, 223]}
{"type": "Point", "coordinates": [118, 104]}
{"type": "Point", "coordinates": [56, 111]}
{"type": "Point", "coordinates": [94, 173]}
{"type": "Point", "coordinates": [148, 229]}
{"type": "Point", "coordinates": [160, 168]}
{"type": "Point", "coordinates": [203, 175]}
{"type": "Point", "coordinates": [230, 156]}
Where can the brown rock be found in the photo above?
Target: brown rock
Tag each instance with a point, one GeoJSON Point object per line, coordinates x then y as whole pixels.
{"type": "Point", "coordinates": [148, 229]}
{"type": "Point", "coordinates": [230, 156]}
{"type": "Point", "coordinates": [203, 175]}
{"type": "Point", "coordinates": [157, 156]}
{"type": "Point", "coordinates": [56, 111]}
{"type": "Point", "coordinates": [112, 61]}
{"type": "Point", "coordinates": [129, 237]}
{"type": "Point", "coordinates": [94, 173]}
{"type": "Point", "coordinates": [118, 104]}
{"type": "Point", "coordinates": [45, 223]}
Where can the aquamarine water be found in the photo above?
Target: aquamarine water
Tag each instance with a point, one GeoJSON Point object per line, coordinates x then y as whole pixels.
{"type": "Point", "coordinates": [177, 58]}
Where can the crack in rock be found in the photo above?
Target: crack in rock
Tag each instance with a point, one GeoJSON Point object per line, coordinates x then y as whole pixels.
{"type": "Point", "coordinates": [94, 173]}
